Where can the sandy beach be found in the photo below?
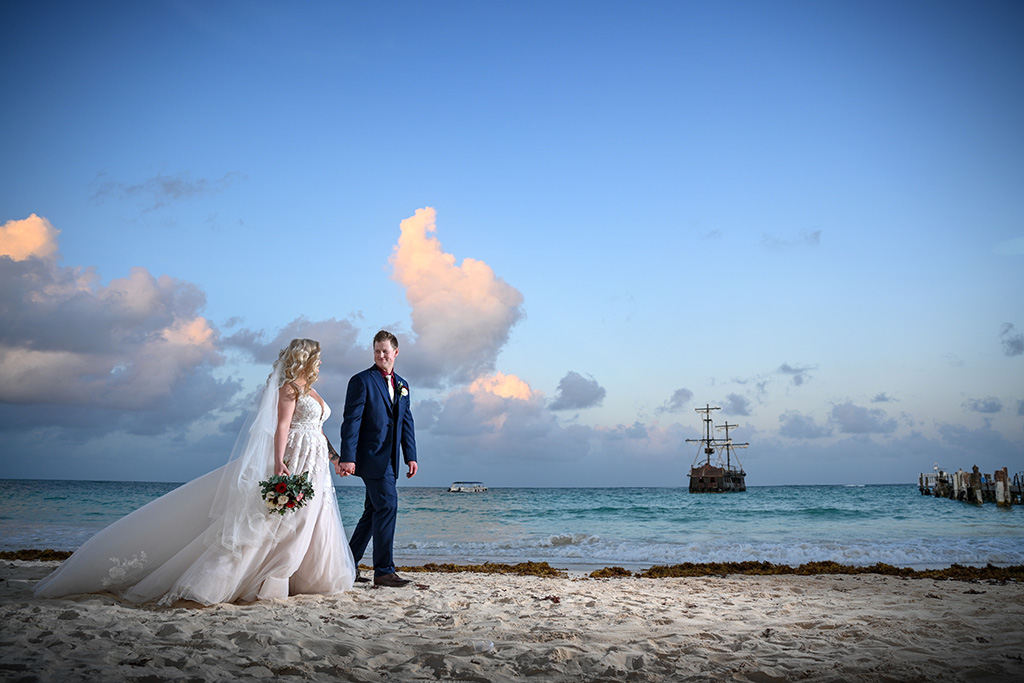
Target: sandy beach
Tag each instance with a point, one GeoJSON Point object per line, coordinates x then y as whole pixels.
{"type": "Point", "coordinates": [495, 627]}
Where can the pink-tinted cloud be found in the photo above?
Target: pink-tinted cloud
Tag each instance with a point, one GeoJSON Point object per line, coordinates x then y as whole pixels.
{"type": "Point", "coordinates": [30, 237]}
{"type": "Point", "coordinates": [69, 340]}
{"type": "Point", "coordinates": [461, 313]}
{"type": "Point", "coordinates": [483, 406]}
{"type": "Point", "coordinates": [505, 386]}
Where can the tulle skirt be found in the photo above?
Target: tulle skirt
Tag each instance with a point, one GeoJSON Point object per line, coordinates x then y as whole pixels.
{"type": "Point", "coordinates": [171, 549]}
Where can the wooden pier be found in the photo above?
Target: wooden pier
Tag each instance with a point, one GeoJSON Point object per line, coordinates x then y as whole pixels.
{"type": "Point", "coordinates": [973, 487]}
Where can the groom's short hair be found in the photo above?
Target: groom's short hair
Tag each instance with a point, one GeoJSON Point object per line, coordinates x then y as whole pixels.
{"type": "Point", "coordinates": [384, 335]}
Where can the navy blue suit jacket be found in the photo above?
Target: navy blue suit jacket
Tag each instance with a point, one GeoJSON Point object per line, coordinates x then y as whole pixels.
{"type": "Point", "coordinates": [373, 427]}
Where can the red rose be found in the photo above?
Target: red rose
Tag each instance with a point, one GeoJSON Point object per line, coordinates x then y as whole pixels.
{"type": "Point", "coordinates": [291, 504]}
{"type": "Point", "coordinates": [281, 487]}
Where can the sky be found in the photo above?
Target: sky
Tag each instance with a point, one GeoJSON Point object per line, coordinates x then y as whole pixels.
{"type": "Point", "coordinates": [583, 220]}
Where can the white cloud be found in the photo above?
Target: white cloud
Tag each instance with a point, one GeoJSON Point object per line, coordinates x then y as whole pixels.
{"type": "Point", "coordinates": [461, 314]}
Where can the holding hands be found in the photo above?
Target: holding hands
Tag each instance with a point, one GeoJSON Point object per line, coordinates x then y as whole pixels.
{"type": "Point", "coordinates": [342, 469]}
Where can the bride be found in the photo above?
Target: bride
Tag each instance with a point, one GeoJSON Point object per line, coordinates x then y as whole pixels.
{"type": "Point", "coordinates": [213, 539]}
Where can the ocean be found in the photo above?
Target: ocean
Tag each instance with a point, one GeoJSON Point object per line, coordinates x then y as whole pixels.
{"type": "Point", "coordinates": [584, 528]}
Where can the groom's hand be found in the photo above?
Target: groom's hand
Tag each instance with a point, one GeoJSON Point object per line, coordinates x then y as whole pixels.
{"type": "Point", "coordinates": [412, 470]}
{"type": "Point", "coordinates": [344, 469]}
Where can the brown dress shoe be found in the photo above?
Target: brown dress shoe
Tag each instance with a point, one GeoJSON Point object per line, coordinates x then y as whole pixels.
{"type": "Point", "coordinates": [390, 580]}
{"type": "Point", "coordinates": [361, 579]}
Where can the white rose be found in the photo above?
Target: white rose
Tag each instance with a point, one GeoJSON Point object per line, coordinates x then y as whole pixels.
{"type": "Point", "coordinates": [282, 500]}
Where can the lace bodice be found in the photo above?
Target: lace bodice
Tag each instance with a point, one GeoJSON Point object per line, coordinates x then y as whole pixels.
{"type": "Point", "coordinates": [307, 447]}
{"type": "Point", "coordinates": [308, 414]}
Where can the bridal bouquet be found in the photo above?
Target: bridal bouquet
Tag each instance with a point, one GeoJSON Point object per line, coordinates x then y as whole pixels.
{"type": "Point", "coordinates": [286, 493]}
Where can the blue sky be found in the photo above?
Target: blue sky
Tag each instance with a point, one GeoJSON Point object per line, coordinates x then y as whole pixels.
{"type": "Point", "coordinates": [583, 220]}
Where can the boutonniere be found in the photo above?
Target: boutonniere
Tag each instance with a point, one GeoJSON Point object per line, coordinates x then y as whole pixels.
{"type": "Point", "coordinates": [403, 388]}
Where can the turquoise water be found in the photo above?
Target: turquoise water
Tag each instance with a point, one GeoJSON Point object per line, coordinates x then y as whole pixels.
{"type": "Point", "coordinates": [584, 527]}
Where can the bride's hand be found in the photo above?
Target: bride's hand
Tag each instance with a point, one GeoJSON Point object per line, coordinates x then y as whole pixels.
{"type": "Point", "coordinates": [280, 468]}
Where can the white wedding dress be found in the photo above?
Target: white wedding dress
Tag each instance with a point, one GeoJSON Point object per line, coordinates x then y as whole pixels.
{"type": "Point", "coordinates": [212, 540]}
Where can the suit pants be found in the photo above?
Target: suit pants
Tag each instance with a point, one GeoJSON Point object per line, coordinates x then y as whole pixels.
{"type": "Point", "coordinates": [380, 510]}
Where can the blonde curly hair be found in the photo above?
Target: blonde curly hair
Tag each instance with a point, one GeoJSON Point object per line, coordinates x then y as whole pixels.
{"type": "Point", "coordinates": [300, 361]}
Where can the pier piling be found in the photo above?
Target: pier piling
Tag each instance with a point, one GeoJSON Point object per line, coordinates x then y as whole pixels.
{"type": "Point", "coordinates": [1003, 488]}
{"type": "Point", "coordinates": [974, 487]}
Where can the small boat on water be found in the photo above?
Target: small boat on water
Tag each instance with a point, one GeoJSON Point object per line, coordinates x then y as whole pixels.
{"type": "Point", "coordinates": [723, 475]}
{"type": "Point", "coordinates": [467, 487]}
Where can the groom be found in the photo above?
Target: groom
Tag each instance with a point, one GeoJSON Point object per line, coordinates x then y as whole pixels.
{"type": "Point", "coordinates": [378, 420]}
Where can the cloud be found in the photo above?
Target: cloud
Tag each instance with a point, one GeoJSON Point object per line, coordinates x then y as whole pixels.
{"type": "Point", "coordinates": [160, 189]}
{"type": "Point", "coordinates": [882, 398]}
{"type": "Point", "coordinates": [504, 386]}
{"type": "Point", "coordinates": [28, 238]}
{"type": "Point", "coordinates": [678, 401]}
{"type": "Point", "coordinates": [576, 392]}
{"type": "Point", "coordinates": [988, 405]}
{"type": "Point", "coordinates": [854, 419]}
{"type": "Point", "coordinates": [134, 344]}
{"type": "Point", "coordinates": [810, 239]}
{"type": "Point", "coordinates": [340, 347]}
{"type": "Point", "coordinates": [499, 429]}
{"type": "Point", "coordinates": [736, 405]}
{"type": "Point", "coordinates": [485, 405]}
{"type": "Point", "coordinates": [797, 426]}
{"type": "Point", "coordinates": [498, 414]}
{"type": "Point", "coordinates": [1013, 342]}
{"type": "Point", "coordinates": [461, 314]}
{"type": "Point", "coordinates": [799, 375]}
{"type": "Point", "coordinates": [982, 442]}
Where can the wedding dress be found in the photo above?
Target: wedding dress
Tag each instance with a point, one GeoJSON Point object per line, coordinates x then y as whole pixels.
{"type": "Point", "coordinates": [213, 540]}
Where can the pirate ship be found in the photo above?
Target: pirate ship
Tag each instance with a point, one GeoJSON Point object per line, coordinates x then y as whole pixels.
{"type": "Point", "coordinates": [716, 469]}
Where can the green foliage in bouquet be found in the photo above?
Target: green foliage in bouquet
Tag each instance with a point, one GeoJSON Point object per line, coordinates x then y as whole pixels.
{"type": "Point", "coordinates": [283, 494]}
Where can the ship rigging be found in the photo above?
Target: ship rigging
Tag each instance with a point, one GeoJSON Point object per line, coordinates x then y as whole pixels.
{"type": "Point", "coordinates": [723, 475]}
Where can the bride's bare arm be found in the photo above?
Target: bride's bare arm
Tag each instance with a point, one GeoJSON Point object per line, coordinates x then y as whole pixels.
{"type": "Point", "coordinates": [285, 410]}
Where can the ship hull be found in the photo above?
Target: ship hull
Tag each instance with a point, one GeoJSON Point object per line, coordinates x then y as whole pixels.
{"type": "Point", "coordinates": [710, 479]}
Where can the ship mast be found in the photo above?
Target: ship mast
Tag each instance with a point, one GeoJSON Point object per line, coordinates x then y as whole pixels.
{"type": "Point", "coordinates": [708, 441]}
{"type": "Point", "coordinates": [719, 476]}
{"type": "Point", "coordinates": [729, 445]}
